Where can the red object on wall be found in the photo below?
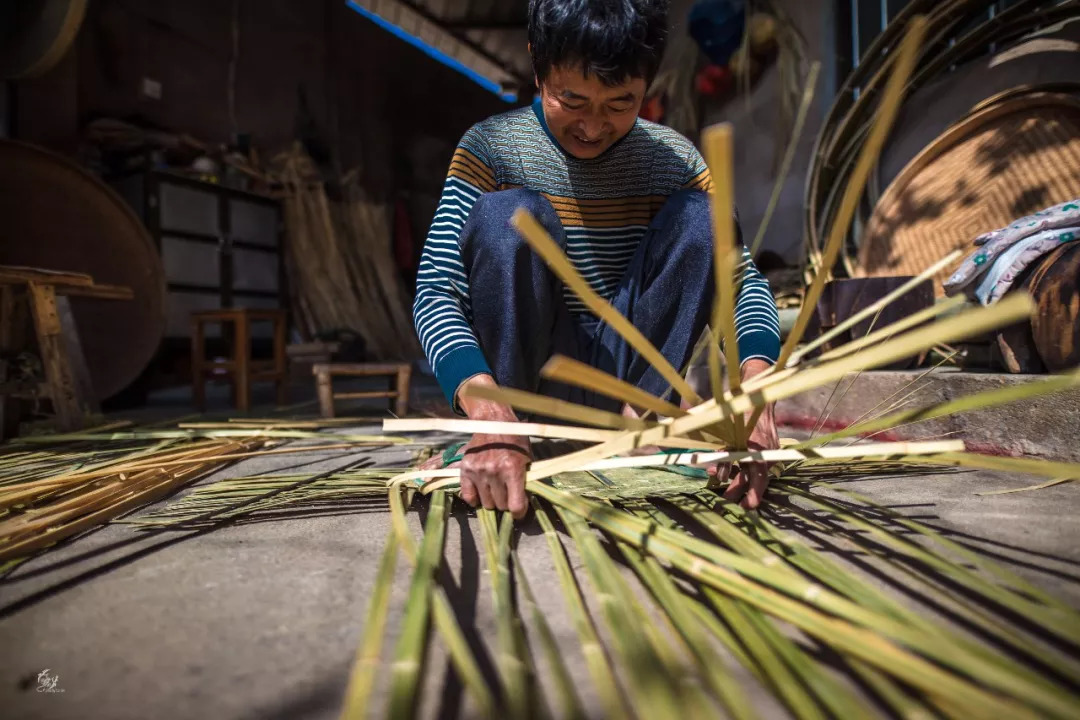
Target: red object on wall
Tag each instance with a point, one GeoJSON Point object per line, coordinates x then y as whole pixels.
{"type": "Point", "coordinates": [652, 109]}
{"type": "Point", "coordinates": [713, 80]}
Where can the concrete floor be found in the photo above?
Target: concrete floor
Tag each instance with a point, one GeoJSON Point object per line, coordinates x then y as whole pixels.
{"type": "Point", "coordinates": [262, 620]}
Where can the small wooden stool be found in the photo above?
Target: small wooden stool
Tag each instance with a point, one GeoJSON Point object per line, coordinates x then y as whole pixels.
{"type": "Point", "coordinates": [325, 372]}
{"type": "Point", "coordinates": [241, 369]}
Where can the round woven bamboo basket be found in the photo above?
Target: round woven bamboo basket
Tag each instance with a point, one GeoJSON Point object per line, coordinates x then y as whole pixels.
{"type": "Point", "coordinates": [1004, 161]}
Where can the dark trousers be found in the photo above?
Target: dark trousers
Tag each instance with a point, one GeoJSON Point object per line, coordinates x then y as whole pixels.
{"type": "Point", "coordinates": [520, 316]}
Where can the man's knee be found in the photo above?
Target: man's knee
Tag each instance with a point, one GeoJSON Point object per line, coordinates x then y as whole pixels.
{"type": "Point", "coordinates": [489, 227]}
{"type": "Point", "coordinates": [691, 210]}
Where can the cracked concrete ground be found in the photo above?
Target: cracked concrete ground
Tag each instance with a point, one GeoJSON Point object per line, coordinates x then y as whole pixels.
{"type": "Point", "coordinates": [262, 619]}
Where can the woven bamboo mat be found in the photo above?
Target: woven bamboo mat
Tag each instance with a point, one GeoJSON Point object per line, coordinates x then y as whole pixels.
{"type": "Point", "coordinates": [1000, 163]}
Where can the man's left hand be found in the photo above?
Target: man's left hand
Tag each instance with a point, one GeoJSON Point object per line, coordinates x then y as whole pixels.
{"type": "Point", "coordinates": [749, 481]}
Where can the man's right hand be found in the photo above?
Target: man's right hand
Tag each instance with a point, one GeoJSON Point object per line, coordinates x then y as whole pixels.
{"type": "Point", "coordinates": [493, 466]}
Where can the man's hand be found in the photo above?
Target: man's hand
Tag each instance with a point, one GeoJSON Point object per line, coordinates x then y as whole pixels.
{"type": "Point", "coordinates": [750, 480]}
{"type": "Point", "coordinates": [493, 466]}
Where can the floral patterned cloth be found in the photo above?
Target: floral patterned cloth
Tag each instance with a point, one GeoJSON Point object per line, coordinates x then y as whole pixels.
{"type": "Point", "coordinates": [1003, 254]}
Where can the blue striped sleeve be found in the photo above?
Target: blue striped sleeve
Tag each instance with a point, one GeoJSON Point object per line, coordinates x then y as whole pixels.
{"type": "Point", "coordinates": [442, 309]}
{"type": "Point", "coordinates": [757, 322]}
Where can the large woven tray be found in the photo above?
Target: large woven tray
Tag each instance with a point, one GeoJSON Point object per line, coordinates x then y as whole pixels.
{"type": "Point", "coordinates": [1001, 162]}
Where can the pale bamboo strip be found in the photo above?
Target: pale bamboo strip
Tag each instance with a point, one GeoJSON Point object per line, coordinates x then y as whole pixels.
{"type": "Point", "coordinates": [567, 432]}
{"type": "Point", "coordinates": [1040, 486]}
{"type": "Point", "coordinates": [546, 248]}
{"type": "Point", "coordinates": [717, 144]}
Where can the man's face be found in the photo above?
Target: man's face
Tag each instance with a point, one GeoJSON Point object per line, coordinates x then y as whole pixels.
{"type": "Point", "coordinates": [585, 115]}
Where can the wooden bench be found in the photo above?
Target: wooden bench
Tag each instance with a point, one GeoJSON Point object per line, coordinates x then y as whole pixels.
{"type": "Point", "coordinates": [241, 369]}
{"type": "Point", "coordinates": [324, 374]}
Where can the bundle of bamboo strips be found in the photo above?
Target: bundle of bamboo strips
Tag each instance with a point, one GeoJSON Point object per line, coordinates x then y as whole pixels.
{"type": "Point", "coordinates": [55, 486]}
{"type": "Point", "coordinates": [338, 257]}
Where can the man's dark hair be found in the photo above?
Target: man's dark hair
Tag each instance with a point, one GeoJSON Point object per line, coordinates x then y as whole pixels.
{"type": "Point", "coordinates": [615, 39]}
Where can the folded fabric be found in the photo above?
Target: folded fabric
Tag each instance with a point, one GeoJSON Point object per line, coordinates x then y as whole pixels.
{"type": "Point", "coordinates": [993, 244]}
{"type": "Point", "coordinates": [1002, 273]}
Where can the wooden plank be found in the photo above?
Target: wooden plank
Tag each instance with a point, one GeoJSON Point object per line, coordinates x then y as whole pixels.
{"type": "Point", "coordinates": [325, 389]}
{"type": "Point", "coordinates": [54, 357]}
{"type": "Point", "coordinates": [99, 292]}
{"type": "Point", "coordinates": [366, 395]}
{"type": "Point", "coordinates": [359, 369]}
{"type": "Point", "coordinates": [17, 275]}
{"type": "Point", "coordinates": [402, 405]}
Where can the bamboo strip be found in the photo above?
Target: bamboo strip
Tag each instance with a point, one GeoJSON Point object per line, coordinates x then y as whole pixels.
{"type": "Point", "coordinates": [573, 372]}
{"type": "Point", "coordinates": [366, 664]}
{"type": "Point", "coordinates": [977, 401]}
{"type": "Point", "coordinates": [717, 144]}
{"type": "Point", "coordinates": [443, 614]}
{"type": "Point", "coordinates": [561, 409]}
{"type": "Point", "coordinates": [886, 114]}
{"type": "Point", "coordinates": [596, 658]}
{"type": "Point", "coordinates": [411, 649]}
{"type": "Point", "coordinates": [972, 322]}
{"type": "Point", "coordinates": [566, 694]}
{"type": "Point", "coordinates": [546, 248]}
{"type": "Point", "coordinates": [567, 432]}
{"type": "Point", "coordinates": [876, 306]}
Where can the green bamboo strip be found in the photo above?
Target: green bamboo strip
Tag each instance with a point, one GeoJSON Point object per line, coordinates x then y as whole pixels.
{"type": "Point", "coordinates": [566, 694]}
{"type": "Point", "coordinates": [965, 608]}
{"type": "Point", "coordinates": [886, 113]}
{"type": "Point", "coordinates": [596, 659]}
{"type": "Point", "coordinates": [775, 652]}
{"type": "Point", "coordinates": [445, 620]}
{"type": "Point", "coordinates": [976, 401]}
{"type": "Point", "coordinates": [973, 583]}
{"type": "Point", "coordinates": [676, 605]}
{"type": "Point", "coordinates": [366, 664]}
{"type": "Point", "coordinates": [1011, 579]}
{"type": "Point", "coordinates": [170, 434]}
{"type": "Point", "coordinates": [513, 671]}
{"type": "Point", "coordinates": [966, 324]}
{"type": "Point", "coordinates": [651, 683]}
{"type": "Point", "coordinates": [411, 650]}
{"type": "Point", "coordinates": [870, 646]}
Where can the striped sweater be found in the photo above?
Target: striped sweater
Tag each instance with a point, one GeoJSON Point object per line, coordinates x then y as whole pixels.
{"type": "Point", "coordinates": [605, 205]}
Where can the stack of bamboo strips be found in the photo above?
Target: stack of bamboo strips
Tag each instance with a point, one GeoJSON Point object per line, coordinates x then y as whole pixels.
{"type": "Point", "coordinates": [340, 268]}
{"type": "Point", "coordinates": [53, 487]}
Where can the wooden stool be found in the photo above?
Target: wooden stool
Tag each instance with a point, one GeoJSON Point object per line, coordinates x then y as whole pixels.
{"type": "Point", "coordinates": [325, 372]}
{"type": "Point", "coordinates": [241, 369]}
{"type": "Point", "coordinates": [67, 381]}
